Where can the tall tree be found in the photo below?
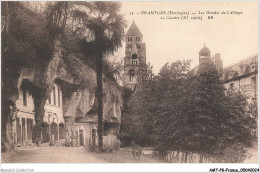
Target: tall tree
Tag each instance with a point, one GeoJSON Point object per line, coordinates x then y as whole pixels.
{"type": "Point", "coordinates": [104, 21]}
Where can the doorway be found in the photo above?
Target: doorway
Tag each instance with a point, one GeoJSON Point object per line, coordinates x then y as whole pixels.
{"type": "Point", "coordinates": [18, 132]}
{"type": "Point", "coordinates": [54, 131]}
{"type": "Point", "coordinates": [81, 138]}
{"type": "Point", "coordinates": [29, 129]}
{"type": "Point", "coordinates": [94, 134]}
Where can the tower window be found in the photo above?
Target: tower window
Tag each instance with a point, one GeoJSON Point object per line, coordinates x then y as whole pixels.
{"type": "Point", "coordinates": [138, 46]}
{"type": "Point", "coordinates": [134, 59]}
{"type": "Point", "coordinates": [129, 46]}
{"type": "Point", "coordinates": [129, 38]}
{"type": "Point", "coordinates": [132, 74]}
{"type": "Point", "coordinates": [24, 98]}
{"type": "Point", "coordinates": [137, 38]}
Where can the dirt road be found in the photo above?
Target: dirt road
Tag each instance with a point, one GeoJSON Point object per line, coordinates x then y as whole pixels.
{"type": "Point", "coordinates": [50, 155]}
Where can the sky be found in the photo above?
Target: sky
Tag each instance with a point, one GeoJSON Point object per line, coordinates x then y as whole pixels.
{"type": "Point", "coordinates": [234, 36]}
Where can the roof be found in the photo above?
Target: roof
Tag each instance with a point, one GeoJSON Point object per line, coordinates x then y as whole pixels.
{"type": "Point", "coordinates": [242, 68]}
{"type": "Point", "coordinates": [194, 71]}
{"type": "Point", "coordinates": [134, 30]}
{"type": "Point", "coordinates": [204, 50]}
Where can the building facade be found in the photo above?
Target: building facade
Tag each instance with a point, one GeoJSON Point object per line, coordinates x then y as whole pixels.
{"type": "Point", "coordinates": [53, 127]}
{"type": "Point", "coordinates": [24, 120]}
{"type": "Point", "coordinates": [53, 121]}
{"type": "Point", "coordinates": [243, 76]}
{"type": "Point", "coordinates": [81, 129]}
{"type": "Point", "coordinates": [135, 57]}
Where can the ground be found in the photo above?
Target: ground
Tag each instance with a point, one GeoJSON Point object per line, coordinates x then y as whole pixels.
{"type": "Point", "coordinates": [70, 155]}
{"type": "Point", "coordinates": [253, 152]}
{"type": "Point", "coordinates": [82, 155]}
{"type": "Point", "coordinates": [50, 155]}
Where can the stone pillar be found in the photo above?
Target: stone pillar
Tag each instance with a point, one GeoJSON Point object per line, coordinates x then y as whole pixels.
{"type": "Point", "coordinates": [58, 132]}
{"type": "Point", "coordinates": [84, 138]}
{"type": "Point", "coordinates": [21, 122]}
{"type": "Point", "coordinates": [41, 135]}
{"type": "Point", "coordinates": [49, 133]}
{"type": "Point", "coordinates": [25, 128]}
{"type": "Point", "coordinates": [78, 142]}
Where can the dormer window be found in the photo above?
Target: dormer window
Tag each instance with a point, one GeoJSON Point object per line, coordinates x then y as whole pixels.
{"type": "Point", "coordinates": [129, 38]}
{"type": "Point", "coordinates": [253, 67]}
{"type": "Point", "coordinates": [137, 38]}
{"type": "Point", "coordinates": [253, 82]}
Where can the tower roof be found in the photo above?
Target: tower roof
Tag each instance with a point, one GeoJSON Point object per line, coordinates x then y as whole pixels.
{"type": "Point", "coordinates": [134, 30]}
{"type": "Point", "coordinates": [204, 50]}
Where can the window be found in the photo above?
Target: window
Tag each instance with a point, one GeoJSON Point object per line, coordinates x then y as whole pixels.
{"type": "Point", "coordinates": [132, 74]}
{"type": "Point", "coordinates": [253, 82]}
{"type": "Point", "coordinates": [134, 61]}
{"type": "Point", "coordinates": [114, 109]}
{"type": "Point", "coordinates": [231, 85]}
{"type": "Point", "coordinates": [138, 46]}
{"type": "Point", "coordinates": [50, 100]}
{"type": "Point", "coordinates": [58, 97]}
{"type": "Point", "coordinates": [24, 98]}
{"type": "Point", "coordinates": [54, 96]}
{"type": "Point", "coordinates": [137, 38]}
{"type": "Point", "coordinates": [253, 67]}
{"type": "Point", "coordinates": [129, 38]}
{"type": "Point", "coordinates": [129, 46]}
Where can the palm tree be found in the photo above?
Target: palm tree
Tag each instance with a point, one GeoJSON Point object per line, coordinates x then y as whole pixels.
{"type": "Point", "coordinates": [104, 21]}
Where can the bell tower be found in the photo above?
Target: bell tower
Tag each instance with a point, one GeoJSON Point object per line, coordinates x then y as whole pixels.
{"type": "Point", "coordinates": [135, 57]}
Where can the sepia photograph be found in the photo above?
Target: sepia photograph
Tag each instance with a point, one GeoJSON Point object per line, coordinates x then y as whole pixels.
{"type": "Point", "coordinates": [169, 82]}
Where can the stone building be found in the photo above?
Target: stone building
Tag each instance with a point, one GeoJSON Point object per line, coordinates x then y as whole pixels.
{"type": "Point", "coordinates": [53, 128]}
{"type": "Point", "coordinates": [243, 76]}
{"type": "Point", "coordinates": [53, 121]}
{"type": "Point", "coordinates": [81, 120]}
{"type": "Point", "coordinates": [135, 57]}
{"type": "Point", "coordinates": [23, 122]}
{"type": "Point", "coordinates": [48, 96]}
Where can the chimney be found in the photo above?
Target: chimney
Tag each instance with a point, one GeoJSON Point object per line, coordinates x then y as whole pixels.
{"type": "Point", "coordinates": [218, 63]}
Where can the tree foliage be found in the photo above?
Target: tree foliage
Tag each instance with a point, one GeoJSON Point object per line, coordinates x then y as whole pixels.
{"type": "Point", "coordinates": [192, 114]}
